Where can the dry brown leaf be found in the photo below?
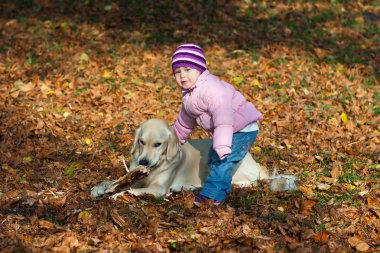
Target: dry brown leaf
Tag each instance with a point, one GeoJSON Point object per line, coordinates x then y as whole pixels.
{"type": "Point", "coordinates": [321, 237]}
{"type": "Point", "coordinates": [69, 242]}
{"type": "Point", "coordinates": [58, 202]}
{"type": "Point", "coordinates": [117, 218]}
{"type": "Point", "coordinates": [307, 207]}
{"type": "Point", "coordinates": [46, 224]}
{"type": "Point", "coordinates": [204, 230]}
{"type": "Point", "coordinates": [188, 203]}
{"type": "Point", "coordinates": [348, 212]}
{"type": "Point", "coordinates": [335, 173]}
{"type": "Point", "coordinates": [322, 186]}
{"type": "Point", "coordinates": [306, 190]}
{"type": "Point", "coordinates": [120, 71]}
{"type": "Point", "coordinates": [373, 202]}
{"type": "Point", "coordinates": [358, 244]}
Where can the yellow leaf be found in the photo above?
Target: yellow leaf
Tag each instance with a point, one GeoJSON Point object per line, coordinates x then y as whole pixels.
{"type": "Point", "coordinates": [230, 73]}
{"type": "Point", "coordinates": [84, 214]}
{"type": "Point", "coordinates": [66, 114]}
{"type": "Point", "coordinates": [65, 25]}
{"type": "Point", "coordinates": [351, 187]}
{"type": "Point", "coordinates": [256, 83]}
{"type": "Point", "coordinates": [257, 148]}
{"type": "Point", "coordinates": [51, 92]}
{"type": "Point", "coordinates": [344, 118]}
{"type": "Point", "coordinates": [67, 85]}
{"type": "Point", "coordinates": [84, 57]}
{"type": "Point", "coordinates": [333, 122]}
{"type": "Point", "coordinates": [88, 141]}
{"type": "Point", "coordinates": [106, 74]}
{"type": "Point", "coordinates": [238, 80]}
{"type": "Point", "coordinates": [339, 69]}
{"type": "Point", "coordinates": [27, 159]}
{"type": "Point", "coordinates": [148, 56]}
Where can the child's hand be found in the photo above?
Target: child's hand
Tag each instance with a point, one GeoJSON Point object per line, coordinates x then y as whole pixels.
{"type": "Point", "coordinates": [223, 152]}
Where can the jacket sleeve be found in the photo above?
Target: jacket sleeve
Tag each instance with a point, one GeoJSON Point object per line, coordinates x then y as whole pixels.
{"type": "Point", "coordinates": [220, 108]}
{"type": "Point", "coordinates": [184, 125]}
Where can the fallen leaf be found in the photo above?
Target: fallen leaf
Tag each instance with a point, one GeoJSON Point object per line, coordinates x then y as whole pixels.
{"type": "Point", "coordinates": [58, 202]}
{"type": "Point", "coordinates": [358, 244]}
{"type": "Point", "coordinates": [88, 141]}
{"type": "Point", "coordinates": [106, 74]}
{"type": "Point", "coordinates": [307, 207]}
{"type": "Point", "coordinates": [256, 83]}
{"type": "Point", "coordinates": [84, 57]}
{"type": "Point", "coordinates": [84, 215]}
{"type": "Point", "coordinates": [257, 148]}
{"type": "Point", "coordinates": [306, 190]}
{"type": "Point", "coordinates": [322, 186]}
{"type": "Point", "coordinates": [120, 71]}
{"type": "Point", "coordinates": [373, 202]}
{"type": "Point", "coordinates": [335, 173]}
{"type": "Point", "coordinates": [333, 122]}
{"type": "Point", "coordinates": [321, 237]}
{"type": "Point", "coordinates": [46, 224]}
{"type": "Point", "coordinates": [117, 218]}
{"type": "Point", "coordinates": [40, 124]}
{"type": "Point", "coordinates": [344, 118]}
{"type": "Point", "coordinates": [27, 159]}
{"type": "Point", "coordinates": [25, 87]}
{"type": "Point", "coordinates": [238, 80]}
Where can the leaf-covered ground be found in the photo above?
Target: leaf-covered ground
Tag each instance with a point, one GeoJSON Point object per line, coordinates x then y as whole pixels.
{"type": "Point", "coordinates": [77, 77]}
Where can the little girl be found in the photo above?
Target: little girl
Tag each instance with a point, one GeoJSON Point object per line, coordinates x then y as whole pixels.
{"type": "Point", "coordinates": [219, 109]}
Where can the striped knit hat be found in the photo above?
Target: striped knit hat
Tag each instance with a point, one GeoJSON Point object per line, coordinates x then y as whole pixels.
{"type": "Point", "coordinates": [189, 55]}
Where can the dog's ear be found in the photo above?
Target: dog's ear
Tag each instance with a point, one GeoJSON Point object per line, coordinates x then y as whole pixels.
{"type": "Point", "coordinates": [173, 145]}
{"type": "Point", "coordinates": [135, 149]}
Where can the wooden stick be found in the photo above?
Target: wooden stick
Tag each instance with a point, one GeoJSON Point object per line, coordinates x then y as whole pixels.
{"type": "Point", "coordinates": [128, 179]}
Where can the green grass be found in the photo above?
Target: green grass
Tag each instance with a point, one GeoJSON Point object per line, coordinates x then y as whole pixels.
{"type": "Point", "coordinates": [32, 58]}
{"type": "Point", "coordinates": [71, 169]}
{"type": "Point", "coordinates": [246, 202]}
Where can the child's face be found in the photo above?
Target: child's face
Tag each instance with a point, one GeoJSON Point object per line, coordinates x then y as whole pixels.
{"type": "Point", "coordinates": [186, 77]}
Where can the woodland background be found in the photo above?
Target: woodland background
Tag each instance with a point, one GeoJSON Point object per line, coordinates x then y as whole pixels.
{"type": "Point", "coordinates": [78, 77]}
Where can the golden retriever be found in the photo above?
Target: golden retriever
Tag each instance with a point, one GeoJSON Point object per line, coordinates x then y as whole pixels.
{"type": "Point", "coordinates": [174, 167]}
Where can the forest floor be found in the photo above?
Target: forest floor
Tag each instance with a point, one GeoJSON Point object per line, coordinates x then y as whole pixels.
{"type": "Point", "coordinates": [78, 77]}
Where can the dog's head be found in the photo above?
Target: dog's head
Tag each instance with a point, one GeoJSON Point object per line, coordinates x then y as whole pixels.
{"type": "Point", "coordinates": [154, 142]}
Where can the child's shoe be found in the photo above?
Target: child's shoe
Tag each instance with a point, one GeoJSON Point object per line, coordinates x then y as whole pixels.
{"type": "Point", "coordinates": [199, 199]}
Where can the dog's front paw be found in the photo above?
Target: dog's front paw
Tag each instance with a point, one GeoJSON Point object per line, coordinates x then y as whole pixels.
{"type": "Point", "coordinates": [145, 191]}
{"type": "Point", "coordinates": [134, 192]}
{"type": "Point", "coordinates": [99, 190]}
{"type": "Point", "coordinates": [114, 196]}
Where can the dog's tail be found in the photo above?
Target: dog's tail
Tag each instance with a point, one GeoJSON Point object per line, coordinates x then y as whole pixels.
{"type": "Point", "coordinates": [282, 182]}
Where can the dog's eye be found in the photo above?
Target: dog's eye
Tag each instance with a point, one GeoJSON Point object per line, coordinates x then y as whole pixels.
{"type": "Point", "coordinates": [142, 142]}
{"type": "Point", "coordinates": [157, 144]}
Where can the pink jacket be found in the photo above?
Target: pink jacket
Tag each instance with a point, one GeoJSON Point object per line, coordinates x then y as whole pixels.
{"type": "Point", "coordinates": [218, 108]}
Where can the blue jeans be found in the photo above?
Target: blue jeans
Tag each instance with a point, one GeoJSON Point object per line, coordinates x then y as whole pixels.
{"type": "Point", "coordinates": [218, 183]}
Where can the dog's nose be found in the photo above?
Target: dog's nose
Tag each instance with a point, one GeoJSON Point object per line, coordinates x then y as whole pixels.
{"type": "Point", "coordinates": [144, 162]}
